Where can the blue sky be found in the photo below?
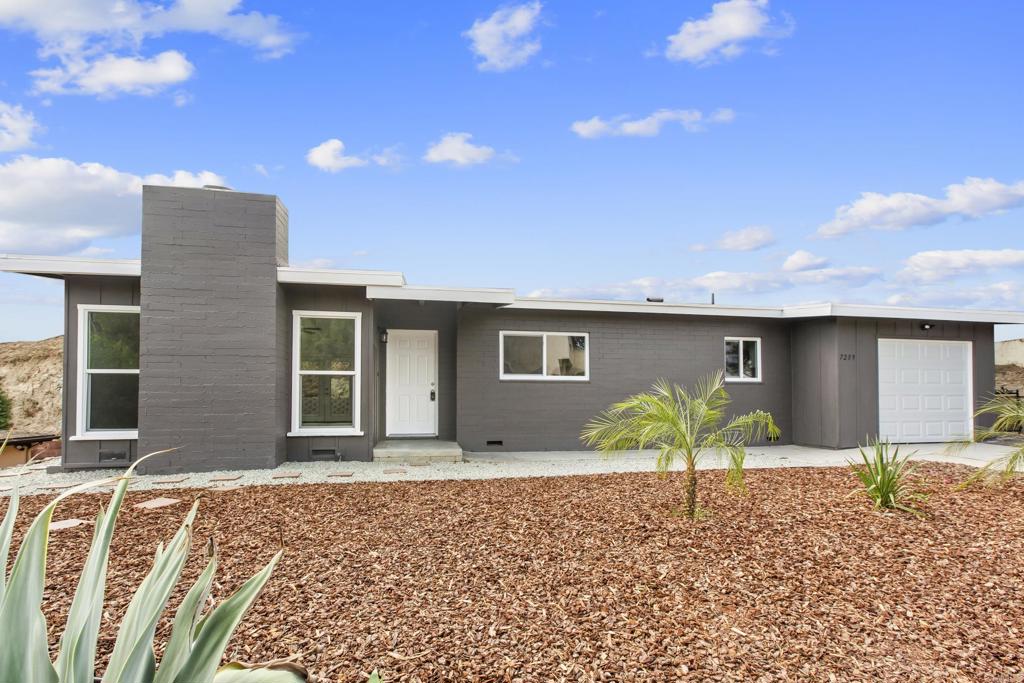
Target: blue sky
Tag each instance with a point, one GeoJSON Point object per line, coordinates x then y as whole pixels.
{"type": "Point", "coordinates": [771, 152]}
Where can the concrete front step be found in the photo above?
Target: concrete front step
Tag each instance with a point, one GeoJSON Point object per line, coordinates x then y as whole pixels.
{"type": "Point", "coordinates": [417, 451]}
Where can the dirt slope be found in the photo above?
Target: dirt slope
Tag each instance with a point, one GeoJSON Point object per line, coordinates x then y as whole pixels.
{"type": "Point", "coordinates": [31, 375]}
{"type": "Point", "coordinates": [1010, 376]}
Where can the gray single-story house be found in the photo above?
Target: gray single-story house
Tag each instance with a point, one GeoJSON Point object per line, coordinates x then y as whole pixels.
{"type": "Point", "coordinates": [213, 343]}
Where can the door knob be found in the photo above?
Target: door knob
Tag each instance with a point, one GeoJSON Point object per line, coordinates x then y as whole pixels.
{"type": "Point", "coordinates": [433, 395]}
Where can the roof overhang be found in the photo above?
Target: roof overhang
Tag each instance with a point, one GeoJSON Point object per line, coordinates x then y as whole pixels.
{"type": "Point", "coordinates": [534, 304]}
{"type": "Point", "coordinates": [965, 315]}
{"type": "Point", "coordinates": [351, 278]}
{"type": "Point", "coordinates": [500, 297]}
{"type": "Point", "coordinates": [60, 266]}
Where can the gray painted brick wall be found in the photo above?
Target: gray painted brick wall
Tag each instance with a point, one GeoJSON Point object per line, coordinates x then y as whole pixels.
{"type": "Point", "coordinates": [627, 354]}
{"type": "Point", "coordinates": [211, 329]}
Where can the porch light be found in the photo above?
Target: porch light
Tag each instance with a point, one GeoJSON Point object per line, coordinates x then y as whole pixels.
{"type": "Point", "coordinates": [383, 336]}
{"type": "Point", "coordinates": [927, 326]}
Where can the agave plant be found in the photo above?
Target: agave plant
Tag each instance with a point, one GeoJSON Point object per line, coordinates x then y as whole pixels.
{"type": "Point", "coordinates": [682, 424]}
{"type": "Point", "coordinates": [886, 478]}
{"type": "Point", "coordinates": [1009, 421]}
{"type": "Point", "coordinates": [197, 640]}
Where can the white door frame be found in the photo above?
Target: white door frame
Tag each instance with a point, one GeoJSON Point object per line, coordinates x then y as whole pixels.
{"type": "Point", "coordinates": [971, 402]}
{"type": "Point", "coordinates": [388, 393]}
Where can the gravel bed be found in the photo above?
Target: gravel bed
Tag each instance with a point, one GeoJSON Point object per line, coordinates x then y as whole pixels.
{"type": "Point", "coordinates": [32, 480]}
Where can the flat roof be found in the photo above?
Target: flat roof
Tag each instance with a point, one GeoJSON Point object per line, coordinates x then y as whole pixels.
{"type": "Point", "coordinates": [381, 284]}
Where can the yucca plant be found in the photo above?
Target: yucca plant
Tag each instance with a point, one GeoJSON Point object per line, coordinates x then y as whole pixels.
{"type": "Point", "coordinates": [197, 640]}
{"type": "Point", "coordinates": [885, 477]}
{"type": "Point", "coordinates": [682, 424]}
{"type": "Point", "coordinates": [1008, 422]}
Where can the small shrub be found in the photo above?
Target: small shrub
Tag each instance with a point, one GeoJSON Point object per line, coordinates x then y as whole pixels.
{"type": "Point", "coordinates": [886, 478]}
{"type": "Point", "coordinates": [5, 410]}
{"type": "Point", "coordinates": [1008, 422]}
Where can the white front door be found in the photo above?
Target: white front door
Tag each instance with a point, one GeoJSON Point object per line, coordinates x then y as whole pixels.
{"type": "Point", "coordinates": [924, 390]}
{"type": "Point", "coordinates": [411, 383]}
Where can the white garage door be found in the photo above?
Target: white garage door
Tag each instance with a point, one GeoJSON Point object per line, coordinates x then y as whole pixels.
{"type": "Point", "coordinates": [924, 390]}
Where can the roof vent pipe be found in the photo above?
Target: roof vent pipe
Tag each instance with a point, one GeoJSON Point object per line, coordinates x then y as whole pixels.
{"type": "Point", "coordinates": [655, 300]}
{"type": "Point", "coordinates": [712, 298]}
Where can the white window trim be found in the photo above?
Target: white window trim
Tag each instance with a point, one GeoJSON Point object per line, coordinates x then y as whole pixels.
{"type": "Point", "coordinates": [760, 369]}
{"type": "Point", "coordinates": [82, 433]}
{"type": "Point", "coordinates": [297, 428]}
{"type": "Point", "coordinates": [544, 356]}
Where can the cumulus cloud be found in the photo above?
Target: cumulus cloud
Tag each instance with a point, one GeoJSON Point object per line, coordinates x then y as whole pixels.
{"type": "Point", "coordinates": [751, 238]}
{"type": "Point", "coordinates": [691, 120]}
{"type": "Point", "coordinates": [98, 44]}
{"type": "Point", "coordinates": [803, 260]}
{"type": "Point", "coordinates": [939, 264]}
{"type": "Point", "coordinates": [17, 127]}
{"type": "Point", "coordinates": [55, 205]}
{"type": "Point", "coordinates": [456, 148]}
{"type": "Point", "coordinates": [1006, 294]}
{"type": "Point", "coordinates": [505, 39]}
{"type": "Point", "coordinates": [110, 75]}
{"type": "Point", "coordinates": [330, 156]}
{"type": "Point", "coordinates": [973, 198]}
{"type": "Point", "coordinates": [724, 32]}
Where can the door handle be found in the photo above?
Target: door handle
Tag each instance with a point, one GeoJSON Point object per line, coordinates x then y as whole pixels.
{"type": "Point", "coordinates": [433, 394]}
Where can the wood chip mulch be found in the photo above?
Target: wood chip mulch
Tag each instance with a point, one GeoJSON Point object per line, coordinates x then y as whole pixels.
{"type": "Point", "coordinates": [594, 578]}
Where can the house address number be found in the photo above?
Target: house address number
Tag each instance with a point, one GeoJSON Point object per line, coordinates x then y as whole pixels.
{"type": "Point", "coordinates": [847, 356]}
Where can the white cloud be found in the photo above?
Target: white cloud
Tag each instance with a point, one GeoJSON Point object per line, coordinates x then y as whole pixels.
{"type": "Point", "coordinates": [17, 127]}
{"type": "Point", "coordinates": [750, 238]}
{"type": "Point", "coordinates": [692, 120]}
{"type": "Point", "coordinates": [330, 156]}
{"type": "Point", "coordinates": [456, 148]}
{"type": "Point", "coordinates": [110, 75]}
{"type": "Point", "coordinates": [503, 41]}
{"type": "Point", "coordinates": [389, 157]}
{"type": "Point", "coordinates": [938, 264]}
{"type": "Point", "coordinates": [98, 44]}
{"type": "Point", "coordinates": [803, 260]}
{"type": "Point", "coordinates": [55, 205]}
{"type": "Point", "coordinates": [261, 169]}
{"type": "Point", "coordinates": [1007, 294]}
{"type": "Point", "coordinates": [973, 198]}
{"type": "Point", "coordinates": [721, 34]}
{"type": "Point", "coordinates": [697, 288]}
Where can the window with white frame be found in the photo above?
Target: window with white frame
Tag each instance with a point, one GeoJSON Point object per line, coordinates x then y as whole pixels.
{"type": "Point", "coordinates": [743, 359]}
{"type": "Point", "coordinates": [325, 382]}
{"type": "Point", "coordinates": [108, 361]}
{"type": "Point", "coordinates": [556, 356]}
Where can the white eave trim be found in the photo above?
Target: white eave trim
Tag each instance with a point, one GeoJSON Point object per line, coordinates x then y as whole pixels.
{"type": "Point", "coordinates": [466, 295]}
{"type": "Point", "coordinates": [530, 303]}
{"type": "Point", "coordinates": [57, 266]}
{"type": "Point", "coordinates": [904, 312]}
{"type": "Point", "coordinates": [352, 278]}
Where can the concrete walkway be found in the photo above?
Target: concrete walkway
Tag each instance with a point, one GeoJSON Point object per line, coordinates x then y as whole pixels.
{"type": "Point", "coordinates": [35, 479]}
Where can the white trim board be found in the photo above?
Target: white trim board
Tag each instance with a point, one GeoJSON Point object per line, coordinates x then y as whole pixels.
{"type": "Point", "coordinates": [457, 294]}
{"type": "Point", "coordinates": [356, 374]}
{"type": "Point", "coordinates": [82, 433]}
{"type": "Point", "coordinates": [57, 266]}
{"type": "Point", "coordinates": [352, 278]}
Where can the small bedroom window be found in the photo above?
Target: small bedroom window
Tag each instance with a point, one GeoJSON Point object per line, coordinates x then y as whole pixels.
{"type": "Point", "coordinates": [553, 356]}
{"type": "Point", "coordinates": [743, 359]}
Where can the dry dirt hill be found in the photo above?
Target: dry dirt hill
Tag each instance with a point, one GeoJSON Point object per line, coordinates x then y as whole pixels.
{"type": "Point", "coordinates": [31, 376]}
{"type": "Point", "coordinates": [1010, 377]}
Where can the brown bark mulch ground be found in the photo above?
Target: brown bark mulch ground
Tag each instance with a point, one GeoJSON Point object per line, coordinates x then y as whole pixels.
{"type": "Point", "coordinates": [593, 578]}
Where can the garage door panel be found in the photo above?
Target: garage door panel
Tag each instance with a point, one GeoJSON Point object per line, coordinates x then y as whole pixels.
{"type": "Point", "coordinates": [924, 390]}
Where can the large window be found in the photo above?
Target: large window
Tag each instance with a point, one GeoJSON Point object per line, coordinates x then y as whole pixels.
{"type": "Point", "coordinates": [742, 359]}
{"type": "Point", "coordinates": [108, 361]}
{"type": "Point", "coordinates": [325, 385]}
{"type": "Point", "coordinates": [544, 355]}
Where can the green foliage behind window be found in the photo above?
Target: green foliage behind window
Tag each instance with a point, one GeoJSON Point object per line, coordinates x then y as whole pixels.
{"type": "Point", "coordinates": [5, 410]}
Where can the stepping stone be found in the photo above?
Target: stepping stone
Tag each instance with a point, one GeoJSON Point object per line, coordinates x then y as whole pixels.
{"type": "Point", "coordinates": [340, 474]}
{"type": "Point", "coordinates": [40, 466]}
{"type": "Point", "coordinates": [221, 489]}
{"type": "Point", "coordinates": [67, 524]}
{"type": "Point", "coordinates": [226, 477]}
{"type": "Point", "coordinates": [157, 503]}
{"type": "Point", "coordinates": [394, 470]}
{"type": "Point", "coordinates": [58, 487]}
{"type": "Point", "coordinates": [286, 475]}
{"type": "Point", "coordinates": [10, 474]}
{"type": "Point", "coordinates": [172, 480]}
{"type": "Point", "coordinates": [418, 464]}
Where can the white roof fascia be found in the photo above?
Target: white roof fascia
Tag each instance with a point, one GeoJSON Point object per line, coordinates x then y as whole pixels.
{"type": "Point", "coordinates": [530, 303]}
{"type": "Point", "coordinates": [57, 266]}
{"type": "Point", "coordinates": [458, 294]}
{"type": "Point", "coordinates": [354, 278]}
{"type": "Point", "coordinates": [966, 315]}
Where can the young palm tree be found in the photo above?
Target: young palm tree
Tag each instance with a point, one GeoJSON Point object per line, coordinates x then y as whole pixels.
{"type": "Point", "coordinates": [681, 424]}
{"type": "Point", "coordinates": [1009, 414]}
